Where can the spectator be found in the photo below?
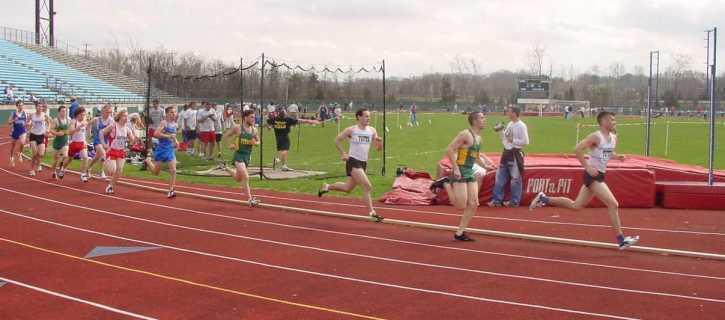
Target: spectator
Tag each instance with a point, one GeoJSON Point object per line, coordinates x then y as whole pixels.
{"type": "Point", "coordinates": [514, 137]}
{"type": "Point", "coordinates": [74, 104]}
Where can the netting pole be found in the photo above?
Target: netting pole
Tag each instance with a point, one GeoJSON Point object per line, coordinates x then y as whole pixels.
{"type": "Point", "coordinates": [261, 121]}
{"type": "Point", "coordinates": [578, 127]}
{"type": "Point", "coordinates": [241, 84]}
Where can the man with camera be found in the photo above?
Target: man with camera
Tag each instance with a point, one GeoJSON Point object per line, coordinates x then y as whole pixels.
{"type": "Point", "coordinates": [514, 136]}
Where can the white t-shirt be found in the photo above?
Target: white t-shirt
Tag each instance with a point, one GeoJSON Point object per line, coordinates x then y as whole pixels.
{"type": "Point", "coordinates": [218, 126]}
{"type": "Point", "coordinates": [205, 120]}
{"type": "Point", "coordinates": [519, 133]}
{"type": "Point", "coordinates": [190, 119]}
{"type": "Point", "coordinates": [293, 108]}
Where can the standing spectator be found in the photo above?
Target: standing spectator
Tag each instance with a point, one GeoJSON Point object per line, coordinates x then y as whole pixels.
{"type": "Point", "coordinates": [190, 125]}
{"type": "Point", "coordinates": [414, 115]}
{"type": "Point", "coordinates": [74, 104]}
{"type": "Point", "coordinates": [218, 129]}
{"type": "Point", "coordinates": [323, 113]}
{"type": "Point", "coordinates": [205, 119]}
{"type": "Point", "coordinates": [514, 138]}
{"type": "Point", "coordinates": [9, 93]}
{"type": "Point", "coordinates": [338, 114]}
{"type": "Point", "coordinates": [155, 115]}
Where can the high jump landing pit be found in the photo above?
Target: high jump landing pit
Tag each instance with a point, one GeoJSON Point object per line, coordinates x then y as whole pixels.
{"type": "Point", "coordinates": [269, 173]}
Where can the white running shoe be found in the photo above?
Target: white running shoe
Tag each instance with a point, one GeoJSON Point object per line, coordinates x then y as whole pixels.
{"type": "Point", "coordinates": [109, 189]}
{"type": "Point", "coordinates": [84, 177]}
{"type": "Point", "coordinates": [171, 194]}
{"type": "Point", "coordinates": [253, 202]}
{"type": "Point", "coordinates": [286, 168]}
{"type": "Point", "coordinates": [537, 203]}
{"type": "Point", "coordinates": [32, 173]}
{"type": "Point", "coordinates": [40, 168]}
{"type": "Point", "coordinates": [628, 242]}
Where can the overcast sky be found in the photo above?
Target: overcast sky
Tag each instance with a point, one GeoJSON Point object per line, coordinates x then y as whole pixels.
{"type": "Point", "coordinates": [414, 37]}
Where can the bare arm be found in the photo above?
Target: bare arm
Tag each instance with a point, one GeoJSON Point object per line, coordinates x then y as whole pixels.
{"type": "Point", "coordinates": [581, 148]}
{"type": "Point", "coordinates": [158, 133]}
{"type": "Point", "coordinates": [344, 135]}
{"type": "Point", "coordinates": [484, 161]}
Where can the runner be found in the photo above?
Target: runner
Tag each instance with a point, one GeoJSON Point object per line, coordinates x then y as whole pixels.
{"type": "Point", "coordinates": [18, 120]}
{"type": "Point", "coordinates": [119, 134]}
{"type": "Point", "coordinates": [246, 138]}
{"type": "Point", "coordinates": [601, 145]}
{"type": "Point", "coordinates": [282, 124]}
{"type": "Point", "coordinates": [97, 125]}
{"type": "Point", "coordinates": [39, 124]}
{"type": "Point", "coordinates": [77, 147]}
{"type": "Point", "coordinates": [462, 185]}
{"type": "Point", "coordinates": [360, 136]}
{"type": "Point", "coordinates": [60, 142]}
{"type": "Point", "coordinates": [166, 149]}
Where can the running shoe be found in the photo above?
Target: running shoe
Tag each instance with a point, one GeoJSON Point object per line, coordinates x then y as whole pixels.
{"type": "Point", "coordinates": [538, 201]}
{"type": "Point", "coordinates": [61, 174]}
{"type": "Point", "coordinates": [109, 189]}
{"type": "Point", "coordinates": [286, 168]}
{"type": "Point", "coordinates": [438, 184]}
{"type": "Point", "coordinates": [32, 173]}
{"type": "Point", "coordinates": [376, 217]}
{"type": "Point", "coordinates": [253, 202]}
{"type": "Point", "coordinates": [325, 188]}
{"type": "Point", "coordinates": [40, 168]}
{"type": "Point", "coordinates": [171, 194]}
{"type": "Point", "coordinates": [84, 177]}
{"type": "Point", "coordinates": [55, 175]}
{"type": "Point", "coordinates": [463, 237]}
{"type": "Point", "coordinates": [628, 242]}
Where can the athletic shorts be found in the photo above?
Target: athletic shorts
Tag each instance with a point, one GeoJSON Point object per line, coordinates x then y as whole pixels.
{"type": "Point", "coordinates": [353, 163]}
{"type": "Point", "coordinates": [283, 143]}
{"type": "Point", "coordinates": [242, 157]}
{"type": "Point", "coordinates": [589, 179]}
{"type": "Point", "coordinates": [17, 132]}
{"type": "Point", "coordinates": [467, 175]}
{"type": "Point", "coordinates": [115, 154]}
{"type": "Point", "coordinates": [218, 137]}
{"type": "Point", "coordinates": [164, 154]}
{"type": "Point", "coordinates": [75, 148]}
{"type": "Point", "coordinates": [37, 138]}
{"type": "Point", "coordinates": [207, 136]}
{"type": "Point", "coordinates": [190, 135]}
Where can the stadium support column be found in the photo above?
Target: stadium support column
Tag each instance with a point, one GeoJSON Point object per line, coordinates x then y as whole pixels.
{"type": "Point", "coordinates": [713, 107]}
{"type": "Point", "coordinates": [147, 107]}
{"type": "Point", "coordinates": [261, 121]}
{"type": "Point", "coordinates": [385, 125]}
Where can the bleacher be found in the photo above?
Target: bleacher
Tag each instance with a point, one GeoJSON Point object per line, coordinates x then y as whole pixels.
{"type": "Point", "coordinates": [30, 72]}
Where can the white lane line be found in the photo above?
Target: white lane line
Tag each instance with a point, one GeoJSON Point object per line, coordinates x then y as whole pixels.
{"type": "Point", "coordinates": [370, 257]}
{"type": "Point", "coordinates": [67, 297]}
{"type": "Point", "coordinates": [192, 211]}
{"type": "Point", "coordinates": [320, 274]}
{"type": "Point", "coordinates": [436, 212]}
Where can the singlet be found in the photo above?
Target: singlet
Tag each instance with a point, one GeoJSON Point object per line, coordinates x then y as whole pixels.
{"type": "Point", "coordinates": [19, 123]}
{"type": "Point", "coordinates": [468, 156]}
{"type": "Point", "coordinates": [166, 143]}
{"type": "Point", "coordinates": [62, 125]}
{"type": "Point", "coordinates": [119, 137]}
{"type": "Point", "coordinates": [360, 143]}
{"type": "Point", "coordinates": [600, 154]}
{"type": "Point", "coordinates": [98, 127]}
{"type": "Point", "coordinates": [80, 135]}
{"type": "Point", "coordinates": [245, 141]}
{"type": "Point", "coordinates": [38, 125]}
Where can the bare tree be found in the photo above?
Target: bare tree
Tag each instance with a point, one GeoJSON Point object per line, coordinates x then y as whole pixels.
{"type": "Point", "coordinates": [536, 59]}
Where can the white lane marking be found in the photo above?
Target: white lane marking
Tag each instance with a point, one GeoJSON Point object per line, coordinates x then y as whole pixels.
{"type": "Point", "coordinates": [364, 256]}
{"type": "Point", "coordinates": [67, 297]}
{"type": "Point", "coordinates": [379, 238]}
{"type": "Point", "coordinates": [321, 274]}
{"type": "Point", "coordinates": [438, 213]}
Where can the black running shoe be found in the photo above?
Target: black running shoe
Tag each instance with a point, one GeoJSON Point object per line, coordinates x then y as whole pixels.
{"type": "Point", "coordinates": [376, 217]}
{"type": "Point", "coordinates": [438, 184]}
{"type": "Point", "coordinates": [321, 192]}
{"type": "Point", "coordinates": [463, 237]}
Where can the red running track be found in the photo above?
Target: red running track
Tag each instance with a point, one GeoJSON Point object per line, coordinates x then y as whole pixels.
{"type": "Point", "coordinates": [220, 260]}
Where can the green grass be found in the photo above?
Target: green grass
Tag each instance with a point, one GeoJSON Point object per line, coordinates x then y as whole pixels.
{"type": "Point", "coordinates": [421, 147]}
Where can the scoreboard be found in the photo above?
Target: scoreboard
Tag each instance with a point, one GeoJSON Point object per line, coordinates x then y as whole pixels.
{"type": "Point", "coordinates": [534, 88]}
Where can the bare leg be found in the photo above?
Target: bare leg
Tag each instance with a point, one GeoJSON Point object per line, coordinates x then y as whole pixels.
{"type": "Point", "coordinates": [172, 174]}
{"type": "Point", "coordinates": [457, 194]}
{"type": "Point", "coordinates": [119, 163]}
{"type": "Point", "coordinates": [585, 195]}
{"type": "Point", "coordinates": [346, 186]}
{"type": "Point", "coordinates": [602, 192]}
{"type": "Point", "coordinates": [283, 157]}
{"type": "Point", "coordinates": [361, 179]}
{"type": "Point", "coordinates": [111, 168]}
{"type": "Point", "coordinates": [471, 205]}
{"type": "Point", "coordinates": [99, 157]}
{"type": "Point", "coordinates": [154, 167]}
{"type": "Point", "coordinates": [243, 177]}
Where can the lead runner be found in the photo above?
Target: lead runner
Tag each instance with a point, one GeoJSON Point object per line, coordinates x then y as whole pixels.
{"type": "Point", "coordinates": [601, 145]}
